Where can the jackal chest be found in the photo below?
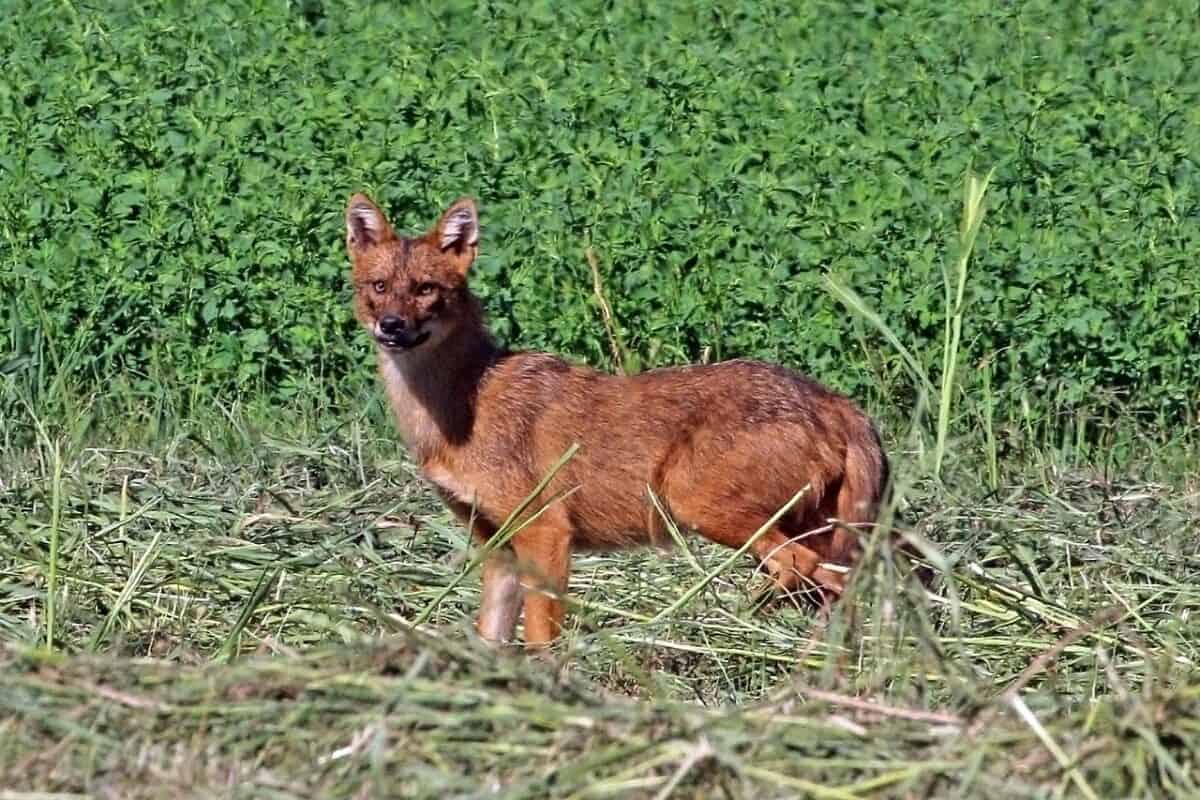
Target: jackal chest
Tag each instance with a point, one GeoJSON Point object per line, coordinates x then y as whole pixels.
{"type": "Point", "coordinates": [454, 486]}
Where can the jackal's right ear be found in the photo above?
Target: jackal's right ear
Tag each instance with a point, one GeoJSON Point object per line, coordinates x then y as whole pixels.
{"type": "Point", "coordinates": [365, 224]}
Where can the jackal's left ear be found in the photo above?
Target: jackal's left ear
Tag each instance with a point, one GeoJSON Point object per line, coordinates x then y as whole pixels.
{"type": "Point", "coordinates": [457, 233]}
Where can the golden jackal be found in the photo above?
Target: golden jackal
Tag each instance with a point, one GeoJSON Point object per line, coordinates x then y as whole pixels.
{"type": "Point", "coordinates": [723, 446]}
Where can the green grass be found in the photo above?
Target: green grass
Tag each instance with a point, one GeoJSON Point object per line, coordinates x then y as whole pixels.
{"type": "Point", "coordinates": [234, 615]}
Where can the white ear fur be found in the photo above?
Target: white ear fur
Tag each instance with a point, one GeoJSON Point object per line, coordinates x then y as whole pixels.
{"type": "Point", "coordinates": [460, 226]}
{"type": "Point", "coordinates": [365, 223]}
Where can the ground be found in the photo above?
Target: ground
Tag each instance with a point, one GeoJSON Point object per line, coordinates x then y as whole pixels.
{"type": "Point", "coordinates": [237, 620]}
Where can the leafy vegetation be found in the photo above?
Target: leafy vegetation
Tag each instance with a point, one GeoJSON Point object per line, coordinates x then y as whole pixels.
{"type": "Point", "coordinates": [173, 186]}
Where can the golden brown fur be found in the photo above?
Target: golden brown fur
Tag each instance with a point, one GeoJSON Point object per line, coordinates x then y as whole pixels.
{"type": "Point", "coordinates": [724, 446]}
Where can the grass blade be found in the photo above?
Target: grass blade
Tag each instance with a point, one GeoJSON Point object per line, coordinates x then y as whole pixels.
{"type": "Point", "coordinates": [972, 219]}
{"type": "Point", "coordinates": [1061, 757]}
{"type": "Point", "coordinates": [698, 587]}
{"type": "Point", "coordinates": [852, 301]}
{"type": "Point", "coordinates": [127, 591]}
{"type": "Point", "coordinates": [55, 525]}
{"type": "Point", "coordinates": [229, 647]}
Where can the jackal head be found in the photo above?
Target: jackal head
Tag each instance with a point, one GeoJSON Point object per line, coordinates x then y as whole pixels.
{"type": "Point", "coordinates": [410, 293]}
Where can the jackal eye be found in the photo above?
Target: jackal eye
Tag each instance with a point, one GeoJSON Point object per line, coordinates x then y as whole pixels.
{"type": "Point", "coordinates": [426, 289]}
{"type": "Point", "coordinates": [379, 286]}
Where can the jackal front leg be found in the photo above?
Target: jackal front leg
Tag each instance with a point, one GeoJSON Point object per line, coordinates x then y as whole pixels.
{"type": "Point", "coordinates": [501, 604]}
{"type": "Point", "coordinates": [544, 560]}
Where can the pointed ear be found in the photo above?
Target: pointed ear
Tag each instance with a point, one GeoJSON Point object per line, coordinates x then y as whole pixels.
{"type": "Point", "coordinates": [365, 224]}
{"type": "Point", "coordinates": [457, 233]}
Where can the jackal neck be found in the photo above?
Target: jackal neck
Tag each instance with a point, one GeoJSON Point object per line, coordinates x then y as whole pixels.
{"type": "Point", "coordinates": [433, 392]}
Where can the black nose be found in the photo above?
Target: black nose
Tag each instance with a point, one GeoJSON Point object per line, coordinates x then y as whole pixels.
{"type": "Point", "coordinates": [392, 325]}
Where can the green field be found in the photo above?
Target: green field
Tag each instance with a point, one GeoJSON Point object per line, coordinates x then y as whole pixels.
{"type": "Point", "coordinates": [214, 554]}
